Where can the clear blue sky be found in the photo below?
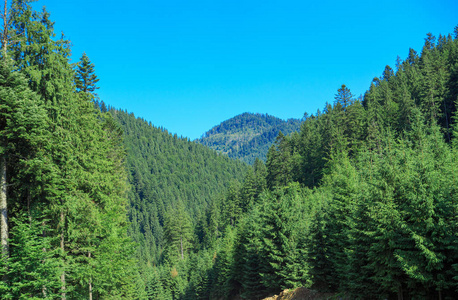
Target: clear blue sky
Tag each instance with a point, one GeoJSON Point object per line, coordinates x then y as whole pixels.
{"type": "Point", "coordinates": [188, 65]}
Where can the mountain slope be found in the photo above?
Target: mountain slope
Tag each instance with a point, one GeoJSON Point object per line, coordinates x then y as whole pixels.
{"type": "Point", "coordinates": [166, 171]}
{"type": "Point", "coordinates": [248, 136]}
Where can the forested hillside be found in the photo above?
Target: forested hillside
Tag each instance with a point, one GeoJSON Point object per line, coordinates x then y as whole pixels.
{"type": "Point", "coordinates": [248, 136]}
{"type": "Point", "coordinates": [63, 179]}
{"type": "Point", "coordinates": [167, 174]}
{"type": "Point", "coordinates": [361, 202]}
{"type": "Point", "coordinates": [91, 198]}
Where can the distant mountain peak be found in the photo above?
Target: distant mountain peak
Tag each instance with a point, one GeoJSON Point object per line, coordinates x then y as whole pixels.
{"type": "Point", "coordinates": [248, 136]}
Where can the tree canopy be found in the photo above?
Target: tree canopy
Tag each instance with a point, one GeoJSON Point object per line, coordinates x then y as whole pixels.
{"type": "Point", "coordinates": [359, 200]}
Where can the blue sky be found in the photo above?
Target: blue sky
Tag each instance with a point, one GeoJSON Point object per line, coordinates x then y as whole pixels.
{"type": "Point", "coordinates": [189, 65]}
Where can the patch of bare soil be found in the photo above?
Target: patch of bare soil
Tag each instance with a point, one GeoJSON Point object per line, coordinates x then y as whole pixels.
{"type": "Point", "coordinates": [300, 294]}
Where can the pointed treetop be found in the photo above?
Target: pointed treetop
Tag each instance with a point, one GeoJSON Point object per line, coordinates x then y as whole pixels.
{"type": "Point", "coordinates": [413, 56]}
{"type": "Point", "coordinates": [387, 73]}
{"type": "Point", "coordinates": [430, 41]}
{"type": "Point", "coordinates": [343, 96]}
{"type": "Point", "coordinates": [85, 78]}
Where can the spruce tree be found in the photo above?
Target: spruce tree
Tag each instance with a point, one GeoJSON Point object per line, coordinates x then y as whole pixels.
{"type": "Point", "coordinates": [85, 77]}
{"type": "Point", "coordinates": [224, 285]}
{"type": "Point", "coordinates": [247, 256]}
{"type": "Point", "coordinates": [343, 183]}
{"type": "Point", "coordinates": [23, 124]}
{"type": "Point", "coordinates": [344, 97]}
{"type": "Point", "coordinates": [84, 196]}
{"type": "Point", "coordinates": [178, 230]}
{"type": "Point", "coordinates": [283, 262]}
{"type": "Point", "coordinates": [248, 191]}
{"type": "Point", "coordinates": [279, 163]}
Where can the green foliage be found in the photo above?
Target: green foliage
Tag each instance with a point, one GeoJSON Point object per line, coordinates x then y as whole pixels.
{"type": "Point", "coordinates": [200, 276]}
{"type": "Point", "coordinates": [247, 136]}
{"type": "Point", "coordinates": [224, 284]}
{"type": "Point", "coordinates": [283, 253]}
{"type": "Point", "coordinates": [65, 161]}
{"type": "Point", "coordinates": [232, 205]}
{"type": "Point", "coordinates": [247, 256]}
{"type": "Point", "coordinates": [166, 172]}
{"type": "Point", "coordinates": [362, 201]}
{"type": "Point", "coordinates": [177, 232]}
{"type": "Point", "coordinates": [32, 265]}
{"type": "Point", "coordinates": [381, 218]}
{"type": "Point", "coordinates": [85, 77]}
{"type": "Point", "coordinates": [154, 288]}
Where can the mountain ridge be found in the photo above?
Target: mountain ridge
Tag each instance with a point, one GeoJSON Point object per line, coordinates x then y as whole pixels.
{"type": "Point", "coordinates": [247, 136]}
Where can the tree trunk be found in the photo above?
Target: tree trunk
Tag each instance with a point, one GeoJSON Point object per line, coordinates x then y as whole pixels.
{"type": "Point", "coordinates": [43, 288]}
{"type": "Point", "coordinates": [90, 280]}
{"type": "Point", "coordinates": [181, 245]}
{"type": "Point", "coordinates": [400, 296]}
{"type": "Point", "coordinates": [446, 121]}
{"type": "Point", "coordinates": [62, 276]}
{"type": "Point", "coordinates": [3, 209]}
{"type": "Point", "coordinates": [29, 200]}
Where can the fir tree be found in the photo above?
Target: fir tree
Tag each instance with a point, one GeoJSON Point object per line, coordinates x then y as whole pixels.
{"type": "Point", "coordinates": [344, 97]}
{"type": "Point", "coordinates": [178, 231]}
{"type": "Point", "coordinates": [85, 77]}
{"type": "Point", "coordinates": [23, 134]}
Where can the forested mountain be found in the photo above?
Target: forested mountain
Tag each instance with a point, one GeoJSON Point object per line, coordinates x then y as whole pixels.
{"type": "Point", "coordinates": [248, 136]}
{"type": "Point", "coordinates": [167, 173]}
{"type": "Point", "coordinates": [361, 202]}
{"type": "Point", "coordinates": [91, 199]}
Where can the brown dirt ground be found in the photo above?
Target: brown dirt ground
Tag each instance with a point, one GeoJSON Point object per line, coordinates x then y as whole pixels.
{"type": "Point", "coordinates": [300, 294]}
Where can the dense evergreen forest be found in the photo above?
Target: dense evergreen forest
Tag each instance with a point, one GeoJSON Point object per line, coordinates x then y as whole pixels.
{"type": "Point", "coordinates": [97, 204]}
{"type": "Point", "coordinates": [361, 202]}
{"type": "Point", "coordinates": [170, 178]}
{"type": "Point", "coordinates": [63, 178]}
{"type": "Point", "coordinates": [248, 136]}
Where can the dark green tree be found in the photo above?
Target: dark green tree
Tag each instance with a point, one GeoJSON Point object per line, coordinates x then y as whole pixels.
{"type": "Point", "coordinates": [247, 257]}
{"type": "Point", "coordinates": [178, 231]}
{"type": "Point", "coordinates": [343, 98]}
{"type": "Point", "coordinates": [224, 284]}
{"type": "Point", "coordinates": [279, 163]}
{"type": "Point", "coordinates": [31, 266]}
{"type": "Point", "coordinates": [283, 260]}
{"type": "Point", "coordinates": [248, 192]}
{"type": "Point", "coordinates": [23, 138]}
{"type": "Point", "coordinates": [85, 77]}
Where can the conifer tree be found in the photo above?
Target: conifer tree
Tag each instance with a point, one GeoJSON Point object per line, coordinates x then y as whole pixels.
{"type": "Point", "coordinates": [30, 269]}
{"type": "Point", "coordinates": [84, 194]}
{"type": "Point", "coordinates": [312, 150]}
{"type": "Point", "coordinates": [319, 252]}
{"type": "Point", "coordinates": [284, 264]}
{"type": "Point", "coordinates": [224, 285]}
{"type": "Point", "coordinates": [279, 163]}
{"type": "Point", "coordinates": [232, 207]}
{"type": "Point", "coordinates": [248, 191]}
{"type": "Point", "coordinates": [213, 221]}
{"type": "Point", "coordinates": [23, 134]}
{"type": "Point", "coordinates": [248, 258]}
{"type": "Point", "coordinates": [85, 77]}
{"type": "Point", "coordinates": [260, 173]}
{"type": "Point", "coordinates": [178, 229]}
{"type": "Point", "coordinates": [343, 184]}
{"type": "Point", "coordinates": [154, 287]}
{"type": "Point", "coordinates": [343, 98]}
